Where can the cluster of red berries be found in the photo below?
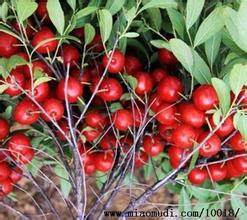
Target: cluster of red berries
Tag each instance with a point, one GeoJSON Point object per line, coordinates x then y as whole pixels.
{"type": "Point", "coordinates": [180, 124]}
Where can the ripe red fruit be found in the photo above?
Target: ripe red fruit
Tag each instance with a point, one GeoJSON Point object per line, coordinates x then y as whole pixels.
{"type": "Point", "coordinates": [132, 64]}
{"type": "Point", "coordinates": [197, 176]}
{"type": "Point", "coordinates": [78, 32]}
{"type": "Point", "coordinates": [70, 55]}
{"type": "Point", "coordinates": [205, 97]}
{"type": "Point", "coordinates": [85, 76]}
{"type": "Point", "coordinates": [189, 114]}
{"type": "Point", "coordinates": [73, 91]}
{"type": "Point", "coordinates": [166, 114]}
{"type": "Point", "coordinates": [240, 164]}
{"type": "Point", "coordinates": [165, 131]}
{"type": "Point", "coordinates": [138, 114]}
{"type": "Point", "coordinates": [232, 172]}
{"type": "Point", "coordinates": [170, 88]}
{"type": "Point", "coordinates": [40, 92]}
{"type": "Point", "coordinates": [5, 171]}
{"type": "Point", "coordinates": [155, 102]}
{"type": "Point", "coordinates": [96, 44]}
{"type": "Point", "coordinates": [88, 162]}
{"type": "Point", "coordinates": [110, 90]}
{"type": "Point", "coordinates": [144, 83]}
{"type": "Point", "coordinates": [116, 63]}
{"type": "Point", "coordinates": [44, 41]}
{"type": "Point", "coordinates": [28, 28]}
{"type": "Point", "coordinates": [54, 108]}
{"type": "Point", "coordinates": [152, 145]}
{"type": "Point", "coordinates": [159, 74]}
{"type": "Point", "coordinates": [104, 161]}
{"type": "Point", "coordinates": [126, 143]}
{"type": "Point", "coordinates": [225, 129]}
{"type": "Point", "coordinates": [6, 187]}
{"type": "Point", "coordinates": [122, 119]}
{"type": "Point", "coordinates": [16, 174]}
{"type": "Point", "coordinates": [4, 128]}
{"type": "Point", "coordinates": [95, 119]}
{"type": "Point", "coordinates": [14, 80]}
{"type": "Point", "coordinates": [8, 45]}
{"type": "Point", "coordinates": [140, 159]}
{"type": "Point", "coordinates": [166, 57]}
{"type": "Point", "coordinates": [237, 142]}
{"type": "Point", "coordinates": [176, 154]}
{"type": "Point", "coordinates": [20, 148]}
{"type": "Point", "coordinates": [184, 136]}
{"type": "Point", "coordinates": [26, 112]}
{"type": "Point", "coordinates": [65, 128]}
{"type": "Point", "coordinates": [217, 172]}
{"type": "Point", "coordinates": [109, 141]}
{"type": "Point", "coordinates": [22, 68]}
{"type": "Point", "coordinates": [41, 11]}
{"type": "Point", "coordinates": [91, 134]}
{"type": "Point", "coordinates": [212, 145]}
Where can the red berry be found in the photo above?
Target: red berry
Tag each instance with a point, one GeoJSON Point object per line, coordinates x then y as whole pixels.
{"type": "Point", "coordinates": [116, 63]}
{"type": "Point", "coordinates": [16, 174]}
{"type": "Point", "coordinates": [44, 41]}
{"type": "Point", "coordinates": [65, 128]}
{"type": "Point", "coordinates": [15, 80]}
{"type": "Point", "coordinates": [109, 141]}
{"type": "Point", "coordinates": [70, 55]}
{"type": "Point", "coordinates": [140, 159]}
{"type": "Point", "coordinates": [232, 172]}
{"type": "Point", "coordinates": [166, 57]}
{"type": "Point", "coordinates": [205, 97]}
{"type": "Point", "coordinates": [41, 11]}
{"type": "Point", "coordinates": [40, 92]}
{"type": "Point", "coordinates": [85, 76]}
{"type": "Point", "coordinates": [189, 114]}
{"type": "Point", "coordinates": [73, 91]}
{"type": "Point", "coordinates": [122, 119]}
{"type": "Point", "coordinates": [159, 74]}
{"type": "Point", "coordinates": [176, 154]}
{"type": "Point", "coordinates": [8, 45]}
{"type": "Point", "coordinates": [4, 128]}
{"type": "Point", "coordinates": [240, 164]}
{"type": "Point", "coordinates": [165, 131]}
{"type": "Point", "coordinates": [225, 129]}
{"type": "Point", "coordinates": [110, 90]}
{"type": "Point", "coordinates": [126, 142]}
{"type": "Point", "coordinates": [26, 112]}
{"type": "Point", "coordinates": [95, 119]}
{"type": "Point", "coordinates": [104, 161]}
{"type": "Point", "coordinates": [138, 114]}
{"type": "Point", "coordinates": [237, 142]}
{"type": "Point", "coordinates": [144, 83]}
{"type": "Point", "coordinates": [6, 187]}
{"type": "Point", "coordinates": [91, 134]}
{"type": "Point", "coordinates": [28, 28]}
{"type": "Point", "coordinates": [78, 32]}
{"type": "Point", "coordinates": [152, 145]}
{"type": "Point", "coordinates": [54, 108]}
{"type": "Point", "coordinates": [212, 145]}
{"type": "Point", "coordinates": [170, 88]}
{"type": "Point", "coordinates": [197, 176]}
{"type": "Point", "coordinates": [184, 136]}
{"type": "Point", "coordinates": [217, 172]}
{"type": "Point", "coordinates": [155, 102]}
{"type": "Point", "coordinates": [166, 114]}
{"type": "Point", "coordinates": [5, 171]}
{"type": "Point", "coordinates": [96, 44]}
{"type": "Point", "coordinates": [132, 64]}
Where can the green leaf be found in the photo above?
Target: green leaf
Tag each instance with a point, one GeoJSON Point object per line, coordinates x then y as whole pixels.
{"type": "Point", "coordinates": [35, 166]}
{"type": "Point", "coordinates": [183, 53]}
{"type": "Point", "coordinates": [130, 14]}
{"type": "Point", "coordinates": [115, 106]}
{"type": "Point", "coordinates": [131, 35]}
{"type": "Point", "coordinates": [159, 4]}
{"type": "Point", "coordinates": [42, 80]}
{"type": "Point", "coordinates": [161, 44]}
{"type": "Point", "coordinates": [89, 33]}
{"type": "Point", "coordinates": [177, 21]}
{"type": "Point", "coordinates": [7, 114]}
{"type": "Point", "coordinates": [200, 71]}
{"type": "Point", "coordinates": [198, 208]}
{"type": "Point", "coordinates": [217, 116]}
{"type": "Point", "coordinates": [4, 11]}
{"type": "Point", "coordinates": [85, 11]}
{"type": "Point", "coordinates": [238, 78]}
{"type": "Point", "coordinates": [56, 15]}
{"type": "Point", "coordinates": [100, 179]}
{"type": "Point", "coordinates": [15, 61]}
{"type": "Point", "coordinates": [4, 68]}
{"type": "Point", "coordinates": [184, 201]}
{"type": "Point", "coordinates": [3, 87]}
{"type": "Point", "coordinates": [72, 4]}
{"type": "Point", "coordinates": [240, 122]}
{"type": "Point", "coordinates": [126, 96]}
{"type": "Point", "coordinates": [239, 207]}
{"type": "Point", "coordinates": [64, 180]}
{"type": "Point", "coordinates": [114, 6]}
{"type": "Point", "coordinates": [223, 92]}
{"type": "Point", "coordinates": [105, 24]}
{"type": "Point", "coordinates": [131, 80]}
{"type": "Point", "coordinates": [201, 195]}
{"type": "Point", "coordinates": [193, 11]}
{"type": "Point", "coordinates": [209, 27]}
{"type": "Point", "coordinates": [25, 8]}
{"type": "Point", "coordinates": [212, 47]}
